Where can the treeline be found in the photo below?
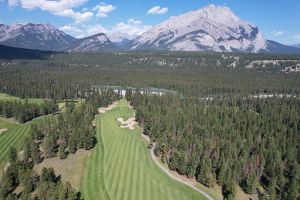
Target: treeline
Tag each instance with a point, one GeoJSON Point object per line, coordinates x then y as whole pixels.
{"type": "Point", "coordinates": [102, 98]}
{"type": "Point", "coordinates": [26, 111]}
{"type": "Point", "coordinates": [19, 173]}
{"type": "Point", "coordinates": [72, 76]}
{"type": "Point", "coordinates": [70, 131]}
{"type": "Point", "coordinates": [250, 142]}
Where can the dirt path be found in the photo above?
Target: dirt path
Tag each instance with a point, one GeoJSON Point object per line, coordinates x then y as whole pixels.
{"type": "Point", "coordinates": [172, 176]}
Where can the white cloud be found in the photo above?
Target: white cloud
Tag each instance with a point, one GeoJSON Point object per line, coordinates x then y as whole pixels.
{"type": "Point", "coordinates": [157, 10]}
{"type": "Point", "coordinates": [83, 30]}
{"type": "Point", "coordinates": [277, 33]}
{"type": "Point", "coordinates": [296, 37]}
{"type": "Point", "coordinates": [132, 27]}
{"type": "Point", "coordinates": [62, 8]}
{"type": "Point", "coordinates": [72, 30]}
{"type": "Point", "coordinates": [79, 17]}
{"type": "Point", "coordinates": [103, 9]}
{"type": "Point", "coordinates": [98, 28]}
{"type": "Point", "coordinates": [13, 2]}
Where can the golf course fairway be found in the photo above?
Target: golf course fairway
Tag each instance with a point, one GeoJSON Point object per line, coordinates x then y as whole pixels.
{"type": "Point", "coordinates": [120, 166]}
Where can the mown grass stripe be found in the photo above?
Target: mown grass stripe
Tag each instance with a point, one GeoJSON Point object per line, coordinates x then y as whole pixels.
{"type": "Point", "coordinates": [124, 160]}
{"type": "Point", "coordinates": [123, 166]}
{"type": "Point", "coordinates": [129, 169]}
{"type": "Point", "coordinates": [11, 142]}
{"type": "Point", "coordinates": [117, 162]}
{"type": "Point", "coordinates": [104, 191]}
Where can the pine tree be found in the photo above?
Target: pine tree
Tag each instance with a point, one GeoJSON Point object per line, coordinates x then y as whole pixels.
{"type": "Point", "coordinates": [89, 139]}
{"type": "Point", "coordinates": [48, 175]}
{"type": "Point", "coordinates": [62, 153]}
{"type": "Point", "coordinates": [27, 149]}
{"type": "Point", "coordinates": [72, 146]}
{"type": "Point", "coordinates": [128, 95]}
{"type": "Point", "coordinates": [50, 145]}
{"type": "Point", "coordinates": [13, 156]}
{"type": "Point", "coordinates": [35, 152]}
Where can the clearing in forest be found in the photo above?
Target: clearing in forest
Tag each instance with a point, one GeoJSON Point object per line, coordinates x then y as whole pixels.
{"type": "Point", "coordinates": [120, 166]}
{"type": "Point", "coordinates": [6, 97]}
{"type": "Point", "coordinates": [70, 169]}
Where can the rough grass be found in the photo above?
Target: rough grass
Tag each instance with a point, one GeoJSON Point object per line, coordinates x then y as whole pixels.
{"type": "Point", "coordinates": [121, 168]}
{"type": "Point", "coordinates": [6, 97]}
{"type": "Point", "coordinates": [62, 106]}
{"type": "Point", "coordinates": [70, 169]}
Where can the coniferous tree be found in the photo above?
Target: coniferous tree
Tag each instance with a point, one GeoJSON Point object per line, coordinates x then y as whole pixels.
{"type": "Point", "coordinates": [62, 153]}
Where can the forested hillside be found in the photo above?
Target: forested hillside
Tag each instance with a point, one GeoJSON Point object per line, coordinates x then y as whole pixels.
{"type": "Point", "coordinates": [72, 75]}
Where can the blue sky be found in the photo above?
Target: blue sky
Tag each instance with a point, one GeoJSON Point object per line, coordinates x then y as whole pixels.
{"type": "Point", "coordinates": [278, 20]}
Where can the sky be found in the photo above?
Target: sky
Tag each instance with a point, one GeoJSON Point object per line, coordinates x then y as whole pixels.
{"type": "Point", "coordinates": [278, 20]}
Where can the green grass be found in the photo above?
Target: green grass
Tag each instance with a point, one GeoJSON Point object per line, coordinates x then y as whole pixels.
{"type": "Point", "coordinates": [121, 168]}
{"type": "Point", "coordinates": [14, 136]}
{"type": "Point", "coordinates": [62, 104]}
{"type": "Point", "coordinates": [6, 97]}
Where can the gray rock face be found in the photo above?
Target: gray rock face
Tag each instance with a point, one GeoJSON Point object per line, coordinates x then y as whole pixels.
{"type": "Point", "coordinates": [34, 36]}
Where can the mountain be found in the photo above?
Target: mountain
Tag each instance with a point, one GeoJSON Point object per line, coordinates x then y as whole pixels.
{"type": "Point", "coordinates": [98, 42]}
{"type": "Point", "coordinates": [7, 52]}
{"type": "Point", "coordinates": [276, 47]}
{"type": "Point", "coordinates": [296, 45]}
{"type": "Point", "coordinates": [34, 36]}
{"type": "Point", "coordinates": [120, 39]}
{"type": "Point", "coordinates": [212, 28]}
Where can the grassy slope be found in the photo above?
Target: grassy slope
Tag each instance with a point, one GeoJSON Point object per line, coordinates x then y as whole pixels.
{"type": "Point", "coordinates": [120, 166]}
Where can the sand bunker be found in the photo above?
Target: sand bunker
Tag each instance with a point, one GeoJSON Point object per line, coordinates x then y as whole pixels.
{"type": "Point", "coordinates": [127, 124]}
{"type": "Point", "coordinates": [103, 110]}
{"type": "Point", "coordinates": [2, 130]}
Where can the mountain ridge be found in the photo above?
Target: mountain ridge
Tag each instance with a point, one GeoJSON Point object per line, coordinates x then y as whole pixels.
{"type": "Point", "coordinates": [203, 30]}
{"type": "Point", "coordinates": [97, 42]}
{"type": "Point", "coordinates": [34, 36]}
{"type": "Point", "coordinates": [211, 28]}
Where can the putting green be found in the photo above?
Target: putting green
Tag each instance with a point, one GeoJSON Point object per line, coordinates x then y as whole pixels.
{"type": "Point", "coordinates": [121, 168]}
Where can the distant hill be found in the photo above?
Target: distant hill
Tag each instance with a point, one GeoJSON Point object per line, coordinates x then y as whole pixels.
{"type": "Point", "coordinates": [296, 45]}
{"type": "Point", "coordinates": [98, 42]}
{"type": "Point", "coordinates": [276, 47]}
{"type": "Point", "coordinates": [7, 52]}
{"type": "Point", "coordinates": [34, 36]}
